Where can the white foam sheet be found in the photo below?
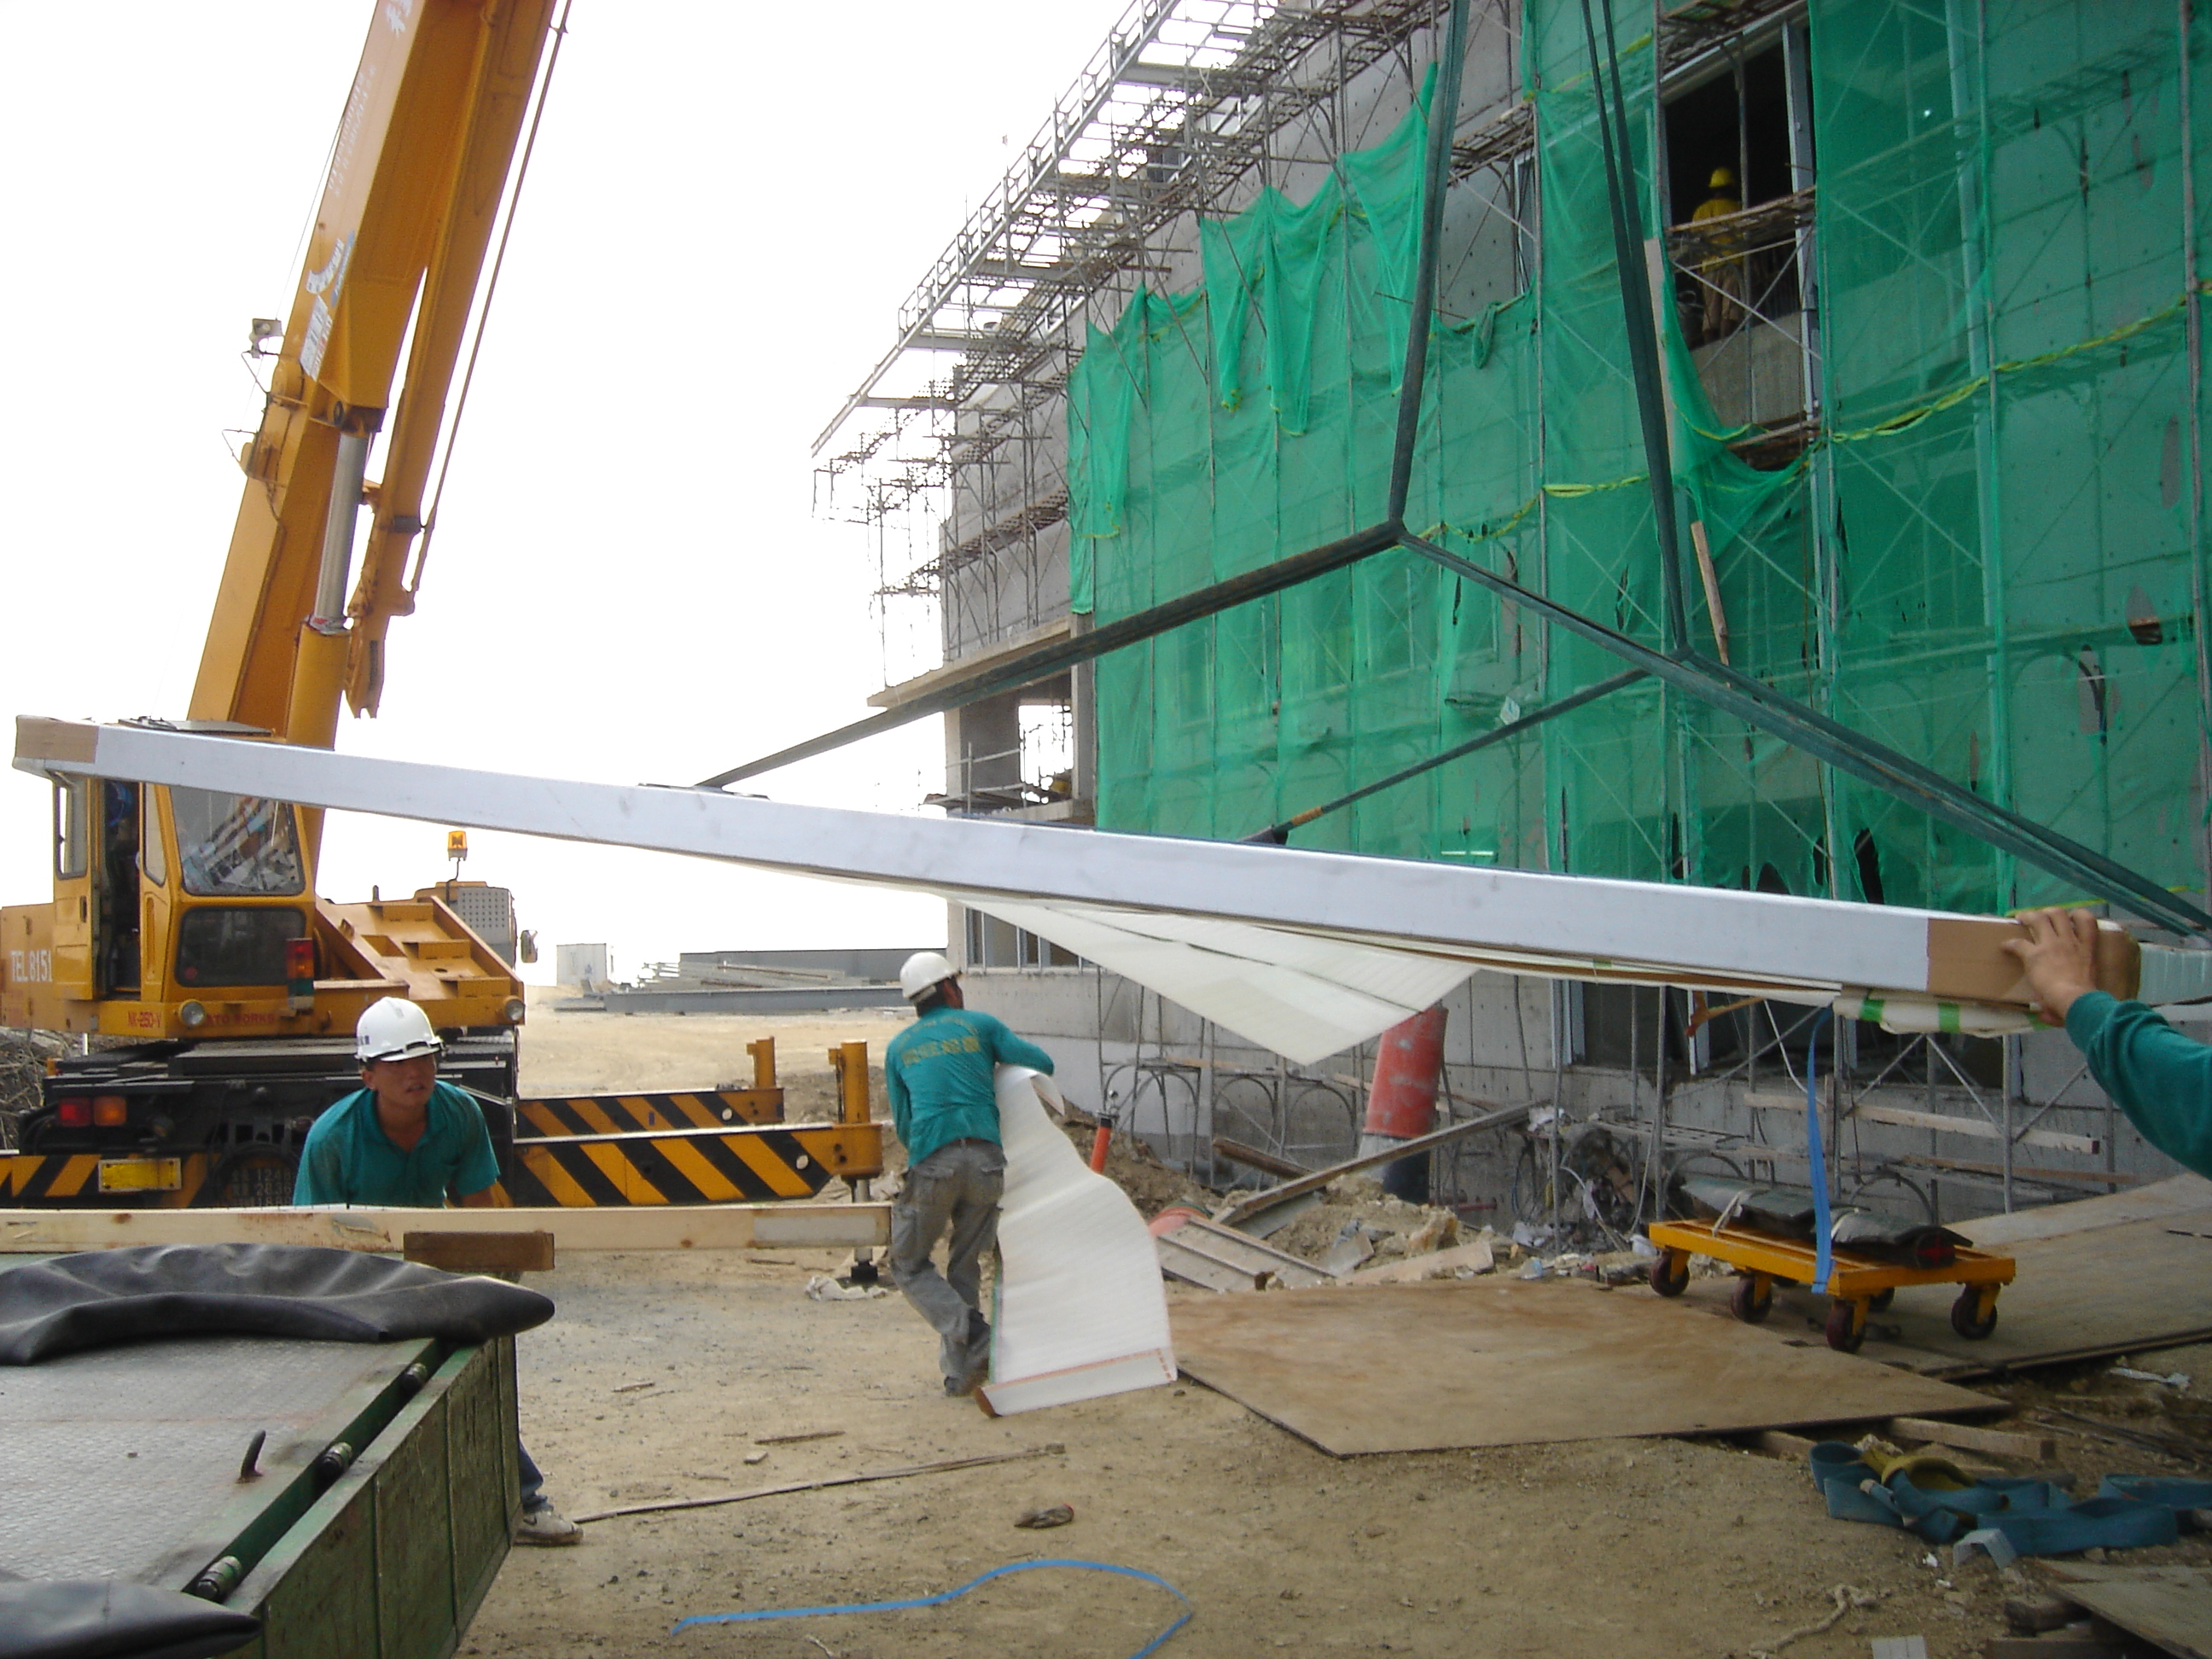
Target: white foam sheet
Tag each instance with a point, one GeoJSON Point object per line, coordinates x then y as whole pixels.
{"type": "Point", "coordinates": [1082, 1311]}
{"type": "Point", "coordinates": [1302, 996]}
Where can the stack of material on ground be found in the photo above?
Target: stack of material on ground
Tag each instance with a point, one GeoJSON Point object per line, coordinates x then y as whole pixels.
{"type": "Point", "coordinates": [755, 982]}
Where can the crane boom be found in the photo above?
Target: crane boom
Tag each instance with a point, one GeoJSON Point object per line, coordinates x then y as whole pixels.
{"type": "Point", "coordinates": [182, 914]}
{"type": "Point", "coordinates": [417, 173]}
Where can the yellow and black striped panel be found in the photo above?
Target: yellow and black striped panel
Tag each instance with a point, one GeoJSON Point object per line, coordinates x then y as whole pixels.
{"type": "Point", "coordinates": [608, 1115]}
{"type": "Point", "coordinates": [70, 1180]}
{"type": "Point", "coordinates": [691, 1166]}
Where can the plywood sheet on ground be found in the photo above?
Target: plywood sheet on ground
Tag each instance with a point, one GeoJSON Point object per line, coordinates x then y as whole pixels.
{"type": "Point", "coordinates": [2110, 1289]}
{"type": "Point", "coordinates": [2164, 1198]}
{"type": "Point", "coordinates": [1486, 1362]}
{"type": "Point", "coordinates": [2169, 1606]}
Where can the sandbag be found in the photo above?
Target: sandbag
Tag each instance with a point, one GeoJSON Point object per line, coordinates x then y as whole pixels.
{"type": "Point", "coordinates": [108, 1618]}
{"type": "Point", "coordinates": [103, 1298]}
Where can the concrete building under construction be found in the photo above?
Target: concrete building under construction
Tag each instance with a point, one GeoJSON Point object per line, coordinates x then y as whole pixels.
{"type": "Point", "coordinates": [1926, 297]}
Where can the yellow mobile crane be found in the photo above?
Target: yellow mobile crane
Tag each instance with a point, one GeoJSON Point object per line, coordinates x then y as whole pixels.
{"type": "Point", "coordinates": [186, 920]}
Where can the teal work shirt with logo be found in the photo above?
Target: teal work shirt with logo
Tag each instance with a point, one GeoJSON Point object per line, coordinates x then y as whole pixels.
{"type": "Point", "coordinates": [2160, 1079]}
{"type": "Point", "coordinates": [937, 1073]}
{"type": "Point", "coordinates": [348, 1159]}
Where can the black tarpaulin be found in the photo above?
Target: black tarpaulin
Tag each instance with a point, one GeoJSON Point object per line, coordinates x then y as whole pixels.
{"type": "Point", "coordinates": [103, 1298]}
{"type": "Point", "coordinates": [104, 1618]}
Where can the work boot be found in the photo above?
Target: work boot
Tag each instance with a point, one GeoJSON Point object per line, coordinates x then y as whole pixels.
{"type": "Point", "coordinates": [546, 1525]}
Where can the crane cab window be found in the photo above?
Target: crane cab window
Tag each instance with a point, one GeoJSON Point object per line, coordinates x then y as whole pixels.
{"type": "Point", "coordinates": [116, 888]}
{"type": "Point", "coordinates": [151, 858]}
{"type": "Point", "coordinates": [236, 846]}
{"type": "Point", "coordinates": [71, 842]}
{"type": "Point", "coordinates": [224, 944]}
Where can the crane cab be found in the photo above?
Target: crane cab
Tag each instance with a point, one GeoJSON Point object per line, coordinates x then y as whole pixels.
{"type": "Point", "coordinates": [185, 914]}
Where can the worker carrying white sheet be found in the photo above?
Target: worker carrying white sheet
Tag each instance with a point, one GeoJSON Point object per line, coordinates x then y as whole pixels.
{"type": "Point", "coordinates": [944, 1105]}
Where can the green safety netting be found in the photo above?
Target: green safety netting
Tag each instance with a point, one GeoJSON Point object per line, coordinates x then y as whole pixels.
{"type": "Point", "coordinates": [1989, 558]}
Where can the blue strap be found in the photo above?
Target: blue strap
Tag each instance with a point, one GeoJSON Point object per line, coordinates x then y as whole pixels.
{"type": "Point", "coordinates": [1824, 1260]}
{"type": "Point", "coordinates": [940, 1599]}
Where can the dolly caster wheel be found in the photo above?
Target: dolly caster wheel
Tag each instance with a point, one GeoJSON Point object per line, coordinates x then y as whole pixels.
{"type": "Point", "coordinates": [1670, 1273]}
{"type": "Point", "coordinates": [1974, 1315]}
{"type": "Point", "coordinates": [1753, 1298]}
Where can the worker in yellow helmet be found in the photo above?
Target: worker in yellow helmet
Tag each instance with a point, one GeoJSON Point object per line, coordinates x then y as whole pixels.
{"type": "Point", "coordinates": [1723, 280]}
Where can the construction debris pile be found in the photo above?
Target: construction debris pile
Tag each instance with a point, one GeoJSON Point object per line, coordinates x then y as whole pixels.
{"type": "Point", "coordinates": [23, 1057]}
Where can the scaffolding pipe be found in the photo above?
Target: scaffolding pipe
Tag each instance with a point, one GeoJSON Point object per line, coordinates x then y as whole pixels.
{"type": "Point", "coordinates": [1443, 120]}
{"type": "Point", "coordinates": [1279, 834]}
{"type": "Point", "coordinates": [1783, 716]}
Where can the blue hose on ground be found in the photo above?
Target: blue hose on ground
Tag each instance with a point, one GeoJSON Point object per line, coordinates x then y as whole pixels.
{"type": "Point", "coordinates": [1824, 1259]}
{"type": "Point", "coordinates": [939, 1599]}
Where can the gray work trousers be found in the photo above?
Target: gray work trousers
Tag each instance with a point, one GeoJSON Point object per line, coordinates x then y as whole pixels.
{"type": "Point", "coordinates": [955, 1189]}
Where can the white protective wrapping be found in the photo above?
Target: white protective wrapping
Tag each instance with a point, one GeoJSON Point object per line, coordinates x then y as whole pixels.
{"type": "Point", "coordinates": [1082, 1311]}
{"type": "Point", "coordinates": [1301, 996]}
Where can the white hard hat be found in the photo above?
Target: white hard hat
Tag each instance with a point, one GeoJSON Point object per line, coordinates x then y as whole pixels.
{"type": "Point", "coordinates": [393, 1028]}
{"type": "Point", "coordinates": [923, 971]}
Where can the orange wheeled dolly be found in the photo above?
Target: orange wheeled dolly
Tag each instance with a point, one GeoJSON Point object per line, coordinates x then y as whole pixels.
{"type": "Point", "coordinates": [1858, 1285]}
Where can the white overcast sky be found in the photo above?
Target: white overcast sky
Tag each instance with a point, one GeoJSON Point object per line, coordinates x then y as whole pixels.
{"type": "Point", "coordinates": [727, 205]}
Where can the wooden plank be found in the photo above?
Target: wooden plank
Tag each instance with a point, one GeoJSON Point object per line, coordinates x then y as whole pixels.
{"type": "Point", "coordinates": [655, 1227]}
{"type": "Point", "coordinates": [1947, 1123]}
{"type": "Point", "coordinates": [1179, 1261]}
{"type": "Point", "coordinates": [1237, 1152]}
{"type": "Point", "coordinates": [1246, 1254]}
{"type": "Point", "coordinates": [2003, 1443]}
{"type": "Point", "coordinates": [2042, 1173]}
{"type": "Point", "coordinates": [481, 1253]}
{"type": "Point", "coordinates": [2050, 1647]}
{"type": "Point", "coordinates": [1490, 1362]}
{"type": "Point", "coordinates": [1476, 1257]}
{"type": "Point", "coordinates": [2180, 1194]}
{"type": "Point", "coordinates": [1793, 1105]}
{"type": "Point", "coordinates": [1496, 1118]}
{"type": "Point", "coordinates": [2169, 1607]}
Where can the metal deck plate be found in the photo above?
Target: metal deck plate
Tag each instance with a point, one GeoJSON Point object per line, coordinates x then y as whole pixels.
{"type": "Point", "coordinates": [124, 1462]}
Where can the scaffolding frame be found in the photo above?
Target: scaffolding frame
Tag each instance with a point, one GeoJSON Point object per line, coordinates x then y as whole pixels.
{"type": "Point", "coordinates": [1186, 109]}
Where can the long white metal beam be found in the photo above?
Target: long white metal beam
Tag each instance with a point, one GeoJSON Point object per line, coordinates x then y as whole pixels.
{"type": "Point", "coordinates": [1395, 932]}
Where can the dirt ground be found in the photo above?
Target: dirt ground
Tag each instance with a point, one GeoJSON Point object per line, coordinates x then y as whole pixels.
{"type": "Point", "coordinates": [660, 1373]}
{"type": "Point", "coordinates": [585, 1053]}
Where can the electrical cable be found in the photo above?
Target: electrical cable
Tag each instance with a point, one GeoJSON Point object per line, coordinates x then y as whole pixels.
{"type": "Point", "coordinates": [943, 1597]}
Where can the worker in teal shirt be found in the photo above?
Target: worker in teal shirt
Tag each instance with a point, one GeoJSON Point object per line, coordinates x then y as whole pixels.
{"type": "Point", "coordinates": [405, 1141]}
{"type": "Point", "coordinates": [944, 1105]}
{"type": "Point", "coordinates": [2160, 1079]}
